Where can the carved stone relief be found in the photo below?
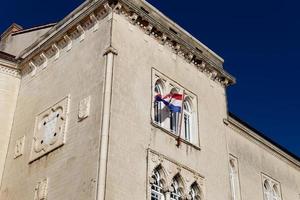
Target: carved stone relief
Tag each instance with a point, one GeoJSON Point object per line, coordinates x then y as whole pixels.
{"type": "Point", "coordinates": [84, 108]}
{"type": "Point", "coordinates": [19, 147]}
{"type": "Point", "coordinates": [41, 190]}
{"type": "Point", "coordinates": [50, 128]}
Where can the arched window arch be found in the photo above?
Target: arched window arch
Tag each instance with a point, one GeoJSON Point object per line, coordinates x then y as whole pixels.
{"type": "Point", "coordinates": [157, 184]}
{"type": "Point", "coordinates": [174, 116]}
{"type": "Point", "coordinates": [195, 192]}
{"type": "Point", "coordinates": [177, 186]}
{"type": "Point", "coordinates": [267, 190]}
{"type": "Point", "coordinates": [158, 105]}
{"type": "Point", "coordinates": [275, 193]}
{"type": "Point", "coordinates": [187, 119]}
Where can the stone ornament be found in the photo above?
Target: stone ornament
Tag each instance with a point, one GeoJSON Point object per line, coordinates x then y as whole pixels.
{"type": "Point", "coordinates": [50, 128]}
{"type": "Point", "coordinates": [84, 108]}
{"type": "Point", "coordinates": [19, 147]}
{"type": "Point", "coordinates": [170, 169]}
{"type": "Point", "coordinates": [41, 190]}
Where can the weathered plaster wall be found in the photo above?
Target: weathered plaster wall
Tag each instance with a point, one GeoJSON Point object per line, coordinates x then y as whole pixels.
{"type": "Point", "coordinates": [255, 159]}
{"type": "Point", "coordinates": [9, 87]}
{"type": "Point", "coordinates": [71, 169]}
{"type": "Point", "coordinates": [131, 130]}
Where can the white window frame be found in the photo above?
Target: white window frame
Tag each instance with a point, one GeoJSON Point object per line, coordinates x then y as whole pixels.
{"type": "Point", "coordinates": [168, 85]}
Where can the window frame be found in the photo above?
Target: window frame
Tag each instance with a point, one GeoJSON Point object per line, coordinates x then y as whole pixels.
{"type": "Point", "coordinates": [170, 84]}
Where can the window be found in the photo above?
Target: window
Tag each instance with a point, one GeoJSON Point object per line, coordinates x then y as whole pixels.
{"type": "Point", "coordinates": [158, 105]}
{"type": "Point", "coordinates": [267, 190]}
{"type": "Point", "coordinates": [168, 112]}
{"type": "Point", "coordinates": [156, 186]}
{"type": "Point", "coordinates": [271, 189]}
{"type": "Point", "coordinates": [50, 127]}
{"type": "Point", "coordinates": [187, 120]}
{"type": "Point", "coordinates": [234, 179]}
{"type": "Point", "coordinates": [174, 116]}
{"type": "Point", "coordinates": [176, 193]}
{"type": "Point", "coordinates": [195, 192]}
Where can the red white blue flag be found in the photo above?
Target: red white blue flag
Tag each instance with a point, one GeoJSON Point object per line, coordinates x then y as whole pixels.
{"type": "Point", "coordinates": [173, 101]}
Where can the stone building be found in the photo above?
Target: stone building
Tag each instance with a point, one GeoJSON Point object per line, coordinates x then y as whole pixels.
{"type": "Point", "coordinates": [79, 118]}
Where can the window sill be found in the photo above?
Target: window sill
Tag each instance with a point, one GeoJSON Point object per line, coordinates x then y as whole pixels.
{"type": "Point", "coordinates": [175, 136]}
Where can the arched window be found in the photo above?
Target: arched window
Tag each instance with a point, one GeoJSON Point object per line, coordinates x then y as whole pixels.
{"type": "Point", "coordinates": [187, 119]}
{"type": "Point", "coordinates": [176, 193]}
{"type": "Point", "coordinates": [158, 105]}
{"type": "Point", "coordinates": [156, 186]}
{"type": "Point", "coordinates": [174, 116]}
{"type": "Point", "coordinates": [234, 179]}
{"type": "Point", "coordinates": [195, 192]}
{"type": "Point", "coordinates": [275, 193]}
{"type": "Point", "coordinates": [267, 190]}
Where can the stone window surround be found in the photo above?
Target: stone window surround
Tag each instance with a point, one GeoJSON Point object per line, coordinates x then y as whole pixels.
{"type": "Point", "coordinates": [237, 173]}
{"type": "Point", "coordinates": [273, 182]}
{"type": "Point", "coordinates": [195, 143]}
{"type": "Point", "coordinates": [171, 169]}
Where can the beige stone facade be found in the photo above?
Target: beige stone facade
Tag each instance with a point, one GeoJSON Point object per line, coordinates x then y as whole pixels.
{"type": "Point", "coordinates": [79, 118]}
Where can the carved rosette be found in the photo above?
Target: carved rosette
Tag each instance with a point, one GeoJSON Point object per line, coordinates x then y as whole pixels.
{"type": "Point", "coordinates": [50, 129]}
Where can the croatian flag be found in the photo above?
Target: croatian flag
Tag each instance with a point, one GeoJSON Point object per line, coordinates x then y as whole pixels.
{"type": "Point", "coordinates": [173, 101]}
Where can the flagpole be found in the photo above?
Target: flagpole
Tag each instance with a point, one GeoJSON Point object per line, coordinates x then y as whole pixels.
{"type": "Point", "coordinates": [181, 119]}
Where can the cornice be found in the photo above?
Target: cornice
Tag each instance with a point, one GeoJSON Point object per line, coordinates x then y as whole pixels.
{"type": "Point", "coordinates": [231, 122]}
{"type": "Point", "coordinates": [139, 13]}
{"type": "Point", "coordinates": [9, 68]}
{"type": "Point", "coordinates": [170, 34]}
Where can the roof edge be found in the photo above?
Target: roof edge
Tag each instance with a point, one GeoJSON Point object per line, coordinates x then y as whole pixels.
{"type": "Point", "coordinates": [263, 139]}
{"type": "Point", "coordinates": [35, 28]}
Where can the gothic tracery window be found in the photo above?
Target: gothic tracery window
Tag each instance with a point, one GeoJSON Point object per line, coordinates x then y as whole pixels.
{"type": "Point", "coordinates": [271, 190]}
{"type": "Point", "coordinates": [157, 186]}
{"type": "Point", "coordinates": [195, 192]}
{"type": "Point", "coordinates": [176, 193]}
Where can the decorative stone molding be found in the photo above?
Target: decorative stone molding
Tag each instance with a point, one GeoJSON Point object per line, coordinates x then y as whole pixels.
{"type": "Point", "coordinates": [81, 32]}
{"type": "Point", "coordinates": [10, 71]}
{"type": "Point", "coordinates": [169, 169]}
{"type": "Point", "coordinates": [84, 108]}
{"type": "Point", "coordinates": [66, 41]}
{"type": "Point", "coordinates": [50, 127]}
{"type": "Point", "coordinates": [170, 39]}
{"type": "Point", "coordinates": [19, 147]}
{"type": "Point", "coordinates": [140, 17]}
{"type": "Point", "coordinates": [41, 190]}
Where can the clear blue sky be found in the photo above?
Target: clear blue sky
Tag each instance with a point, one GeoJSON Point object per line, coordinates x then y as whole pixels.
{"type": "Point", "coordinates": [259, 41]}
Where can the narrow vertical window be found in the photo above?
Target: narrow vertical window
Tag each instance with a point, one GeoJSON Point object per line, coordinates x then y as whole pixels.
{"type": "Point", "coordinates": [195, 192]}
{"type": "Point", "coordinates": [176, 194]}
{"type": "Point", "coordinates": [234, 179]}
{"type": "Point", "coordinates": [158, 105]}
{"type": "Point", "coordinates": [271, 189]}
{"type": "Point", "coordinates": [267, 190]}
{"type": "Point", "coordinates": [156, 186]}
{"type": "Point", "coordinates": [187, 120]}
{"type": "Point", "coordinates": [275, 192]}
{"type": "Point", "coordinates": [174, 116]}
